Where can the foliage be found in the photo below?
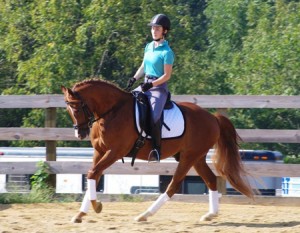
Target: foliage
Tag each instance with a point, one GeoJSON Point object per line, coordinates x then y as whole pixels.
{"type": "Point", "coordinates": [292, 159]}
{"type": "Point", "coordinates": [35, 196]}
{"type": "Point", "coordinates": [267, 63]}
{"type": "Point", "coordinates": [221, 47]}
{"type": "Point", "coordinates": [130, 198]}
{"type": "Point", "coordinates": [41, 192]}
{"type": "Point", "coordinates": [40, 179]}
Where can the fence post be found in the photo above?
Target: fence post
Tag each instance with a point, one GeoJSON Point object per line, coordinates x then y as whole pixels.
{"type": "Point", "coordinates": [50, 122]}
{"type": "Point", "coordinates": [221, 183]}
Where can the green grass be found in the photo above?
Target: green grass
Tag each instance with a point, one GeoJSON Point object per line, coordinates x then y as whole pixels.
{"type": "Point", "coordinates": [35, 196]}
{"type": "Point", "coordinates": [38, 196]}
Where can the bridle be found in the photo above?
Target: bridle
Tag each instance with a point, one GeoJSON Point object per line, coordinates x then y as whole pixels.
{"type": "Point", "coordinates": [88, 114]}
{"type": "Point", "coordinates": [86, 111]}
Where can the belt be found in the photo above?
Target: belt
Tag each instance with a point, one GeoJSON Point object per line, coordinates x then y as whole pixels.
{"type": "Point", "coordinates": [151, 77]}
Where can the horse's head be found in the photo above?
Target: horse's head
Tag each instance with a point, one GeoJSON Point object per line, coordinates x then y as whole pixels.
{"type": "Point", "coordinates": [81, 116]}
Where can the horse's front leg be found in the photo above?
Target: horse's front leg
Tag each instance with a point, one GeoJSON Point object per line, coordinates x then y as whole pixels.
{"type": "Point", "coordinates": [106, 161]}
{"type": "Point", "coordinates": [85, 205]}
{"type": "Point", "coordinates": [94, 175]}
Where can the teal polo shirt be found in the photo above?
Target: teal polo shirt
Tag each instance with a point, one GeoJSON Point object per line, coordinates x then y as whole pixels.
{"type": "Point", "coordinates": [156, 58]}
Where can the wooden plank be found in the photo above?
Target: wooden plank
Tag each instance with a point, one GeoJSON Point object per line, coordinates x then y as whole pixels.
{"type": "Point", "coordinates": [240, 101]}
{"type": "Point", "coordinates": [64, 167]}
{"type": "Point", "coordinates": [32, 101]}
{"type": "Point", "coordinates": [67, 134]}
{"type": "Point", "coordinates": [262, 169]}
{"type": "Point", "coordinates": [38, 134]}
{"type": "Point", "coordinates": [270, 135]}
{"type": "Point", "coordinates": [206, 101]}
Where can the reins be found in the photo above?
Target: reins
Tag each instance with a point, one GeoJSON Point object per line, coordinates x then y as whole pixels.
{"type": "Point", "coordinates": [87, 112]}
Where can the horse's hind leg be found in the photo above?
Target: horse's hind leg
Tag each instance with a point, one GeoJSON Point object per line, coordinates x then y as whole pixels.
{"type": "Point", "coordinates": [180, 173]}
{"type": "Point", "coordinates": [210, 180]}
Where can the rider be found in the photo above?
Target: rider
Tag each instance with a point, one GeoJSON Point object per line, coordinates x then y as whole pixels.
{"type": "Point", "coordinates": [156, 69]}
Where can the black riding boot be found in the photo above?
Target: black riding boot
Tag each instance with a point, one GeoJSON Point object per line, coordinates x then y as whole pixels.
{"type": "Point", "coordinates": [154, 155]}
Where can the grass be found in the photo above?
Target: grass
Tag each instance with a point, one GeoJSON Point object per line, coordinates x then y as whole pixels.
{"type": "Point", "coordinates": [38, 196]}
{"type": "Point", "coordinates": [35, 196]}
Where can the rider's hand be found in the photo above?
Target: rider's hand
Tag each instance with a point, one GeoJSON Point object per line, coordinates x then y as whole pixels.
{"type": "Point", "coordinates": [146, 86]}
{"type": "Point", "coordinates": [130, 83]}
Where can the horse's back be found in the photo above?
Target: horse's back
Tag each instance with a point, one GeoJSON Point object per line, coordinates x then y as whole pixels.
{"type": "Point", "coordinates": [191, 111]}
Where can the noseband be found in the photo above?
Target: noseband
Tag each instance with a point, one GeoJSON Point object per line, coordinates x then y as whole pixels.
{"type": "Point", "coordinates": [86, 111]}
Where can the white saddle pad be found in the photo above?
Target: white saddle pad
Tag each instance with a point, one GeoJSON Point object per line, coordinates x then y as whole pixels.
{"type": "Point", "coordinates": [173, 118]}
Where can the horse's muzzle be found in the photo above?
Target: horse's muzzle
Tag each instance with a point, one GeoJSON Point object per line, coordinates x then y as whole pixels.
{"type": "Point", "coordinates": [82, 133]}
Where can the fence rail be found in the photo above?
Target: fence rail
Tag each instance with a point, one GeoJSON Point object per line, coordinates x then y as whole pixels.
{"type": "Point", "coordinates": [219, 102]}
{"type": "Point", "coordinates": [263, 169]}
{"type": "Point", "coordinates": [67, 134]}
{"type": "Point", "coordinates": [205, 101]}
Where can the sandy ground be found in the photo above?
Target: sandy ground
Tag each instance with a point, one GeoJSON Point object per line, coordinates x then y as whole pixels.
{"type": "Point", "coordinates": [173, 217]}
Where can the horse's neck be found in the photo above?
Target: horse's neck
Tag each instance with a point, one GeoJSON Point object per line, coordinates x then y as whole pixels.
{"type": "Point", "coordinates": [110, 101]}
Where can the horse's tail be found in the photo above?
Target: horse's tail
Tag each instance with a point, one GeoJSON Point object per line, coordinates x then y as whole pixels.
{"type": "Point", "coordinates": [227, 158]}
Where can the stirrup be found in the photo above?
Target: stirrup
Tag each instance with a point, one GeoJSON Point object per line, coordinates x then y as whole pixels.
{"type": "Point", "coordinates": [154, 156]}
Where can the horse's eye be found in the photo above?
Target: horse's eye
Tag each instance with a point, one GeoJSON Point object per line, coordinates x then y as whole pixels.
{"type": "Point", "coordinates": [77, 111]}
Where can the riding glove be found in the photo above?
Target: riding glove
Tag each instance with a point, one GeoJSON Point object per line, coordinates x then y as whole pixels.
{"type": "Point", "coordinates": [146, 86]}
{"type": "Point", "coordinates": [130, 83]}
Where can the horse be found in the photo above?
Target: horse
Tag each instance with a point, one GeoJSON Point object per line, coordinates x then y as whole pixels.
{"type": "Point", "coordinates": [104, 112]}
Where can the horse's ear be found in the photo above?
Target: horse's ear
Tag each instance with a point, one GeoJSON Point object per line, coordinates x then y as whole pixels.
{"type": "Point", "coordinates": [63, 89]}
{"type": "Point", "coordinates": [67, 90]}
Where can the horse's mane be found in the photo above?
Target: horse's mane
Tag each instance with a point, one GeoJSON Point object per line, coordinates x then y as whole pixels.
{"type": "Point", "coordinates": [96, 81]}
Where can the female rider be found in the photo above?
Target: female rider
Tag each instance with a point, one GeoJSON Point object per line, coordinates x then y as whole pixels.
{"type": "Point", "coordinates": [156, 69]}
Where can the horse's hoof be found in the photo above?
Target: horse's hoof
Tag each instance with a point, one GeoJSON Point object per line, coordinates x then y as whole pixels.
{"type": "Point", "coordinates": [143, 217]}
{"type": "Point", "coordinates": [208, 217]}
{"type": "Point", "coordinates": [140, 218]}
{"type": "Point", "coordinates": [76, 220]}
{"type": "Point", "coordinates": [98, 207]}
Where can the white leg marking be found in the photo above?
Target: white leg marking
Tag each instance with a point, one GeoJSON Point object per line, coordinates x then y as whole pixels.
{"type": "Point", "coordinates": [85, 205]}
{"type": "Point", "coordinates": [162, 199]}
{"type": "Point", "coordinates": [76, 133]}
{"type": "Point", "coordinates": [91, 189]}
{"type": "Point", "coordinates": [213, 206]}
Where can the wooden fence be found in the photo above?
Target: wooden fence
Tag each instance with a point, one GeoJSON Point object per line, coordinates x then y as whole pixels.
{"type": "Point", "coordinates": [50, 134]}
{"type": "Point", "coordinates": [221, 102]}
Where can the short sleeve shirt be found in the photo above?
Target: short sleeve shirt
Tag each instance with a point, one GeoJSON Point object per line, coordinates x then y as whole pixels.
{"type": "Point", "coordinates": [156, 58]}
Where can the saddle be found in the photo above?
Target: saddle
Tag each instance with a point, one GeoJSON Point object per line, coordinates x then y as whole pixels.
{"type": "Point", "coordinates": [143, 106]}
{"type": "Point", "coordinates": [145, 119]}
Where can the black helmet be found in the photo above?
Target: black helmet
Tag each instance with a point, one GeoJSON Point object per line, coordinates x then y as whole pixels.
{"type": "Point", "coordinates": [160, 20]}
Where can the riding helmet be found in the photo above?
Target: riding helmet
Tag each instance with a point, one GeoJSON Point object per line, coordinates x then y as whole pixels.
{"type": "Point", "coordinates": [160, 20]}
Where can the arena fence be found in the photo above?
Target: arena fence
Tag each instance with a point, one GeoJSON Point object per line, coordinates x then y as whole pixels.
{"type": "Point", "coordinates": [50, 134]}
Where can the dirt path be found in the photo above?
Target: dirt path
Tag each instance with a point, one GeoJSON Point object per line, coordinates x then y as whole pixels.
{"type": "Point", "coordinates": [174, 217]}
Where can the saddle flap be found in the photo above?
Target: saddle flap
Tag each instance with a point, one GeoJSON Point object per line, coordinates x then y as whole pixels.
{"type": "Point", "coordinates": [173, 122]}
{"type": "Point", "coordinates": [143, 111]}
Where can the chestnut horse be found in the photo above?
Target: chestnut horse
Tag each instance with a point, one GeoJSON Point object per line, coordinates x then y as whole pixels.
{"type": "Point", "coordinates": [108, 111]}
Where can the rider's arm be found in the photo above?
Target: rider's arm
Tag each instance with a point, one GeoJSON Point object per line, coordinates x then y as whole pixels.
{"type": "Point", "coordinates": [140, 72]}
{"type": "Point", "coordinates": [165, 77]}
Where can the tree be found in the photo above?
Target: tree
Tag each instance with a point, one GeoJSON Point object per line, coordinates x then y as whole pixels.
{"type": "Point", "coordinates": [221, 47]}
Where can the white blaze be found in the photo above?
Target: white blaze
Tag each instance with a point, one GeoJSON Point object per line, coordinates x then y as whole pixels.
{"type": "Point", "coordinates": [76, 130]}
